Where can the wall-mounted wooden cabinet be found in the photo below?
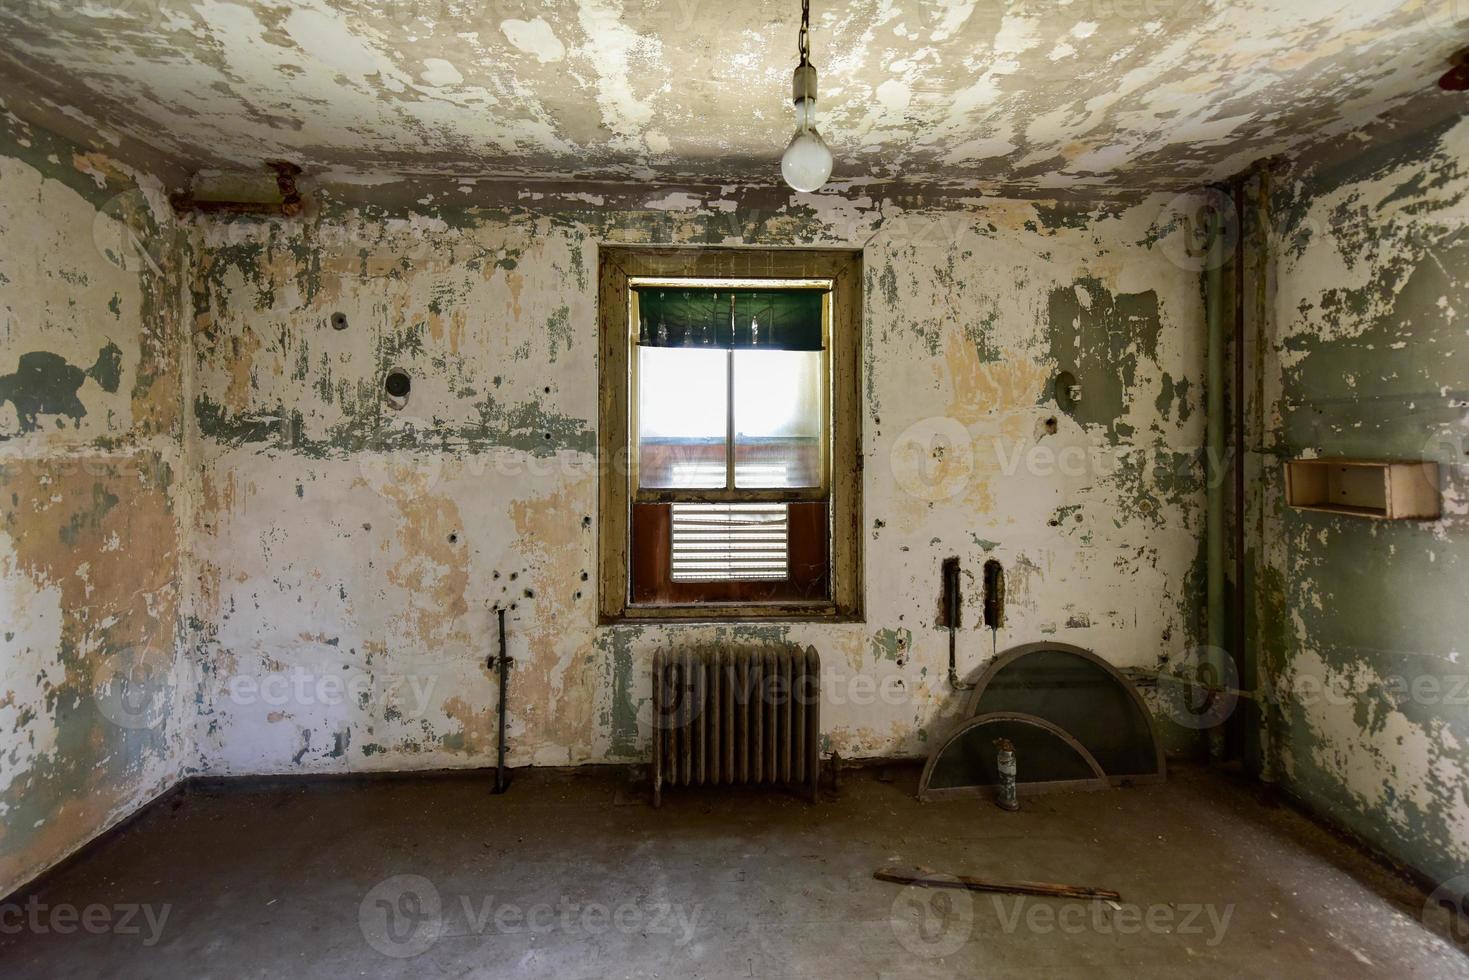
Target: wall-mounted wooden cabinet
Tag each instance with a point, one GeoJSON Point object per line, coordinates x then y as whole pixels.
{"type": "Point", "coordinates": [1364, 488]}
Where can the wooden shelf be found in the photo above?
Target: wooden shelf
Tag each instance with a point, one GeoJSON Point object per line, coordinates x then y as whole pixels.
{"type": "Point", "coordinates": [1379, 489]}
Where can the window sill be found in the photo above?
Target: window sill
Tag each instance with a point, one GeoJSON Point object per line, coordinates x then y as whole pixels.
{"type": "Point", "coordinates": [716, 613]}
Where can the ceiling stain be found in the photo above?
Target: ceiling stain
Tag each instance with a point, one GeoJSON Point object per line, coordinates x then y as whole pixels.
{"type": "Point", "coordinates": [1013, 97]}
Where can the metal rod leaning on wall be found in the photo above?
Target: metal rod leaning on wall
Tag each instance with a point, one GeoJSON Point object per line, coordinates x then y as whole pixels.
{"type": "Point", "coordinates": [502, 777]}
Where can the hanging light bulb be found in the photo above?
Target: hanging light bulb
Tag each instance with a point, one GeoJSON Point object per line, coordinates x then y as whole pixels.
{"type": "Point", "coordinates": [807, 162]}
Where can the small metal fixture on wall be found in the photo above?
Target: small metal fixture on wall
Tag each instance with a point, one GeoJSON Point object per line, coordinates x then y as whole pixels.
{"type": "Point", "coordinates": [952, 602]}
{"type": "Point", "coordinates": [1067, 391]}
{"type": "Point", "coordinates": [994, 594]}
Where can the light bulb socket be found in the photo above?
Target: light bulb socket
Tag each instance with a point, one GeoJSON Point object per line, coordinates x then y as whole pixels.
{"type": "Point", "coordinates": [803, 82]}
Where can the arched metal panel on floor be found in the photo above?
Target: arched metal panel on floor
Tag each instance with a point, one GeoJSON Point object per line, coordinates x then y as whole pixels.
{"type": "Point", "coordinates": [1082, 694]}
{"type": "Point", "coordinates": [1048, 759]}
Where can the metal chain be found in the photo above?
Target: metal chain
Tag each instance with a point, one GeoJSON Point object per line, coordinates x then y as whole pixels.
{"type": "Point", "coordinates": [803, 39]}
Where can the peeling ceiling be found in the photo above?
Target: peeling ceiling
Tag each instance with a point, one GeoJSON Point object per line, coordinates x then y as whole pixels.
{"type": "Point", "coordinates": [1007, 96]}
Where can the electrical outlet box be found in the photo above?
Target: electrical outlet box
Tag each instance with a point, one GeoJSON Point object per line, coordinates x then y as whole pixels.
{"type": "Point", "coordinates": [1380, 489]}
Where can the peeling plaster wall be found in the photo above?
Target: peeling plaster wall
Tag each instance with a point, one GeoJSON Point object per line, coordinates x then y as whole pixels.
{"type": "Point", "coordinates": [91, 496]}
{"type": "Point", "coordinates": [1361, 624]}
{"type": "Point", "coordinates": [350, 555]}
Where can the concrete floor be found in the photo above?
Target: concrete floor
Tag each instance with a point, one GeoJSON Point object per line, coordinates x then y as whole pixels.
{"type": "Point", "coordinates": [572, 874]}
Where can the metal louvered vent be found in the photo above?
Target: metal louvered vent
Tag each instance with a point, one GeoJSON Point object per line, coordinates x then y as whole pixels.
{"type": "Point", "coordinates": [730, 542]}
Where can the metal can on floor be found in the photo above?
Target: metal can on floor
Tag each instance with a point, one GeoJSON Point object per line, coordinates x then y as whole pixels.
{"type": "Point", "coordinates": [1006, 795]}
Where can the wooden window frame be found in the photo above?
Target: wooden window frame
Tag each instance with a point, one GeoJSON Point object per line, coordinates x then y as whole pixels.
{"type": "Point", "coordinates": [618, 268]}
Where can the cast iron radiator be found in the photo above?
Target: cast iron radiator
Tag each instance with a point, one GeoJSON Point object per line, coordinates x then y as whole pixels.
{"type": "Point", "coordinates": [723, 716]}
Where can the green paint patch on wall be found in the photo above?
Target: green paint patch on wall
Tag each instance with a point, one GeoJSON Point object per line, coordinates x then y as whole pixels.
{"type": "Point", "coordinates": [982, 332]}
{"type": "Point", "coordinates": [1393, 340]}
{"type": "Point", "coordinates": [1102, 339]}
{"type": "Point", "coordinates": [559, 329]}
{"type": "Point", "coordinates": [526, 426]}
{"type": "Point", "coordinates": [532, 428]}
{"type": "Point", "coordinates": [620, 719]}
{"type": "Point", "coordinates": [1174, 398]}
{"type": "Point", "coordinates": [892, 644]}
{"type": "Point", "coordinates": [44, 383]}
{"type": "Point", "coordinates": [236, 428]}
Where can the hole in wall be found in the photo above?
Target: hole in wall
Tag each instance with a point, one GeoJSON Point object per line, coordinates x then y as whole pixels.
{"type": "Point", "coordinates": [1051, 426]}
{"type": "Point", "coordinates": [1456, 79]}
{"type": "Point", "coordinates": [396, 386]}
{"type": "Point", "coordinates": [339, 321]}
{"type": "Point", "coordinates": [453, 537]}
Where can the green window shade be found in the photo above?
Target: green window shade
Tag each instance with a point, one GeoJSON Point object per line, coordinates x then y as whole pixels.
{"type": "Point", "coordinates": [788, 319]}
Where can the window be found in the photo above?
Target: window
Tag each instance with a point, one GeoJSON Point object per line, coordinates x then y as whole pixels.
{"type": "Point", "coordinates": [729, 391]}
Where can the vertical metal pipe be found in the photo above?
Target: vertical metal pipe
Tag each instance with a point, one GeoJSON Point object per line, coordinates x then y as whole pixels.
{"type": "Point", "coordinates": [812, 691]}
{"type": "Point", "coordinates": [1238, 641]}
{"type": "Point", "coordinates": [659, 727]}
{"type": "Point", "coordinates": [1263, 681]}
{"type": "Point", "coordinates": [1214, 453]}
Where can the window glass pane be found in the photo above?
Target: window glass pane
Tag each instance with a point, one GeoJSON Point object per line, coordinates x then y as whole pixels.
{"type": "Point", "coordinates": [778, 414]}
{"type": "Point", "coordinates": [729, 542]}
{"type": "Point", "coordinates": [682, 406]}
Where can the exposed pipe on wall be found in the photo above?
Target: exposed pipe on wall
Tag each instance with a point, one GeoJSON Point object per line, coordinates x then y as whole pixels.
{"type": "Point", "coordinates": [1263, 680]}
{"type": "Point", "coordinates": [1237, 444]}
{"type": "Point", "coordinates": [290, 206]}
{"type": "Point", "coordinates": [1214, 459]}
